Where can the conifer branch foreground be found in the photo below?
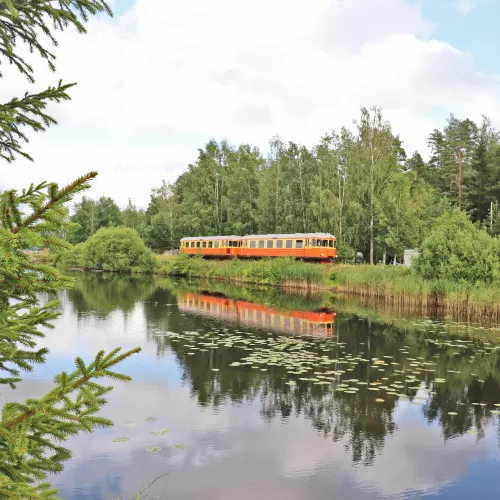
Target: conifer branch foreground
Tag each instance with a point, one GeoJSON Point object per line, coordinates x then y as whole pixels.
{"type": "Point", "coordinates": [26, 20]}
{"type": "Point", "coordinates": [30, 431]}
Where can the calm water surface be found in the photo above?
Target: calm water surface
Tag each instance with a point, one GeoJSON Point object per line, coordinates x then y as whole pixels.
{"type": "Point", "coordinates": [241, 432]}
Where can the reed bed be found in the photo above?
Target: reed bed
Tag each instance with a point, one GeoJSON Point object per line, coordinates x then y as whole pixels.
{"type": "Point", "coordinates": [400, 287]}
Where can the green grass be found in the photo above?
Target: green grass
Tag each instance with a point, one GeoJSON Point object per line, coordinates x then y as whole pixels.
{"type": "Point", "coordinates": [280, 272]}
{"type": "Point", "coordinates": [395, 284]}
{"type": "Point", "coordinates": [43, 257]}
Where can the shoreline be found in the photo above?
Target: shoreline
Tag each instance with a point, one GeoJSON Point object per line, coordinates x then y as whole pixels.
{"type": "Point", "coordinates": [391, 286]}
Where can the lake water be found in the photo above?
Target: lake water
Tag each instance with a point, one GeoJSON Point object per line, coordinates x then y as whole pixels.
{"type": "Point", "coordinates": [365, 427]}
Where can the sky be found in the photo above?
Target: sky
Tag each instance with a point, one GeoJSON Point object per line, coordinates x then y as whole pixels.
{"type": "Point", "coordinates": [160, 79]}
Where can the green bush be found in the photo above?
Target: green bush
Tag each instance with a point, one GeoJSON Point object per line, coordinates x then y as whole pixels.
{"type": "Point", "coordinates": [69, 257]}
{"type": "Point", "coordinates": [118, 249]}
{"type": "Point", "coordinates": [345, 253]}
{"type": "Point", "coordinates": [457, 251]}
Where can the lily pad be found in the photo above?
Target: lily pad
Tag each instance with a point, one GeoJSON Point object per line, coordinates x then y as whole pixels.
{"type": "Point", "coordinates": [160, 432]}
{"type": "Point", "coordinates": [151, 419]}
{"type": "Point", "coordinates": [153, 449]}
{"type": "Point", "coordinates": [180, 446]}
{"type": "Point", "coordinates": [120, 440]}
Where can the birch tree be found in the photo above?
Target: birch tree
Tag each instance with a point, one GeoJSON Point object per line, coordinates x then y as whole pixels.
{"type": "Point", "coordinates": [379, 152]}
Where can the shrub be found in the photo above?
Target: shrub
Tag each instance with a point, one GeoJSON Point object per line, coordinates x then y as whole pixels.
{"type": "Point", "coordinates": [345, 253]}
{"type": "Point", "coordinates": [458, 251]}
{"type": "Point", "coordinates": [118, 249]}
{"type": "Point", "coordinates": [69, 257]}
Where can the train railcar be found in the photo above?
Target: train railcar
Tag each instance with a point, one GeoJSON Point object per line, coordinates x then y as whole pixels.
{"type": "Point", "coordinates": [306, 246]}
{"type": "Point", "coordinates": [320, 322]}
{"type": "Point", "coordinates": [211, 246]}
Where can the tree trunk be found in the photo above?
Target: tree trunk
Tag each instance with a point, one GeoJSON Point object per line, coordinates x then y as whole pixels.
{"type": "Point", "coordinates": [460, 165]}
{"type": "Point", "coordinates": [371, 240]}
{"type": "Point", "coordinates": [372, 187]}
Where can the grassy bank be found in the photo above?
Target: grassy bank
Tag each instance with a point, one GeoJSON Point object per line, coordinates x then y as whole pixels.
{"type": "Point", "coordinates": [279, 272]}
{"type": "Point", "coordinates": [404, 289]}
{"type": "Point", "coordinates": [42, 257]}
{"type": "Point", "coordinates": [393, 285]}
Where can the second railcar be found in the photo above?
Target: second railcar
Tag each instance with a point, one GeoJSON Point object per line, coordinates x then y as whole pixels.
{"type": "Point", "coordinates": [306, 246]}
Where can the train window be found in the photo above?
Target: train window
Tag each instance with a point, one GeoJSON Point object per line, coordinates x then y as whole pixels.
{"type": "Point", "coordinates": [299, 243]}
{"type": "Point", "coordinates": [209, 244]}
{"type": "Point", "coordinates": [204, 244]}
{"type": "Point", "coordinates": [252, 244]}
{"type": "Point", "coordinates": [216, 244]}
{"type": "Point", "coordinates": [269, 243]}
{"type": "Point", "coordinates": [324, 243]}
{"type": "Point", "coordinates": [332, 243]}
{"type": "Point", "coordinates": [197, 244]}
{"type": "Point", "coordinates": [192, 244]}
{"type": "Point", "coordinates": [279, 243]}
{"type": "Point", "coordinates": [314, 242]}
{"type": "Point", "coordinates": [261, 243]}
{"type": "Point", "coordinates": [289, 243]}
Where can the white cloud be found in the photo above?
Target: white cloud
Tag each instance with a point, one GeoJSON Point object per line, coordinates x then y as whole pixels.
{"type": "Point", "coordinates": [158, 81]}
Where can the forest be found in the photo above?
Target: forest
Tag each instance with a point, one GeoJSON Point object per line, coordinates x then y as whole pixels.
{"type": "Point", "coordinates": [358, 183]}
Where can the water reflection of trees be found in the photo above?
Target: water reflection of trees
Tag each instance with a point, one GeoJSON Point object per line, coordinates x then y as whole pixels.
{"type": "Point", "coordinates": [355, 420]}
{"type": "Point", "coordinates": [103, 293]}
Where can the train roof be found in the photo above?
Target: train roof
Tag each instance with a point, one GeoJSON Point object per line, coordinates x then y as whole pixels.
{"type": "Point", "coordinates": [211, 238]}
{"type": "Point", "coordinates": [255, 236]}
{"type": "Point", "coordinates": [291, 235]}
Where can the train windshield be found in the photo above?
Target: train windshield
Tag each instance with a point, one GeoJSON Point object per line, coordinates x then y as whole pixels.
{"type": "Point", "coordinates": [332, 243]}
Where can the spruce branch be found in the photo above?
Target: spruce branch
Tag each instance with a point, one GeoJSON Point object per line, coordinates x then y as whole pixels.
{"type": "Point", "coordinates": [25, 20]}
{"type": "Point", "coordinates": [27, 112]}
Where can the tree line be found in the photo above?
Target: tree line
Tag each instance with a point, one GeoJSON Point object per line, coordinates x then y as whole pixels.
{"type": "Point", "coordinates": [358, 184]}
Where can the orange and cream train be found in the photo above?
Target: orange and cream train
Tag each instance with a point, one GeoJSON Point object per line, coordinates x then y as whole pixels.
{"type": "Point", "coordinates": [320, 322]}
{"type": "Point", "coordinates": [306, 246]}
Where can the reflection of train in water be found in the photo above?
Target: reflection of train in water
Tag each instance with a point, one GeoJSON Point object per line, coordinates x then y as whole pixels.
{"type": "Point", "coordinates": [319, 322]}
